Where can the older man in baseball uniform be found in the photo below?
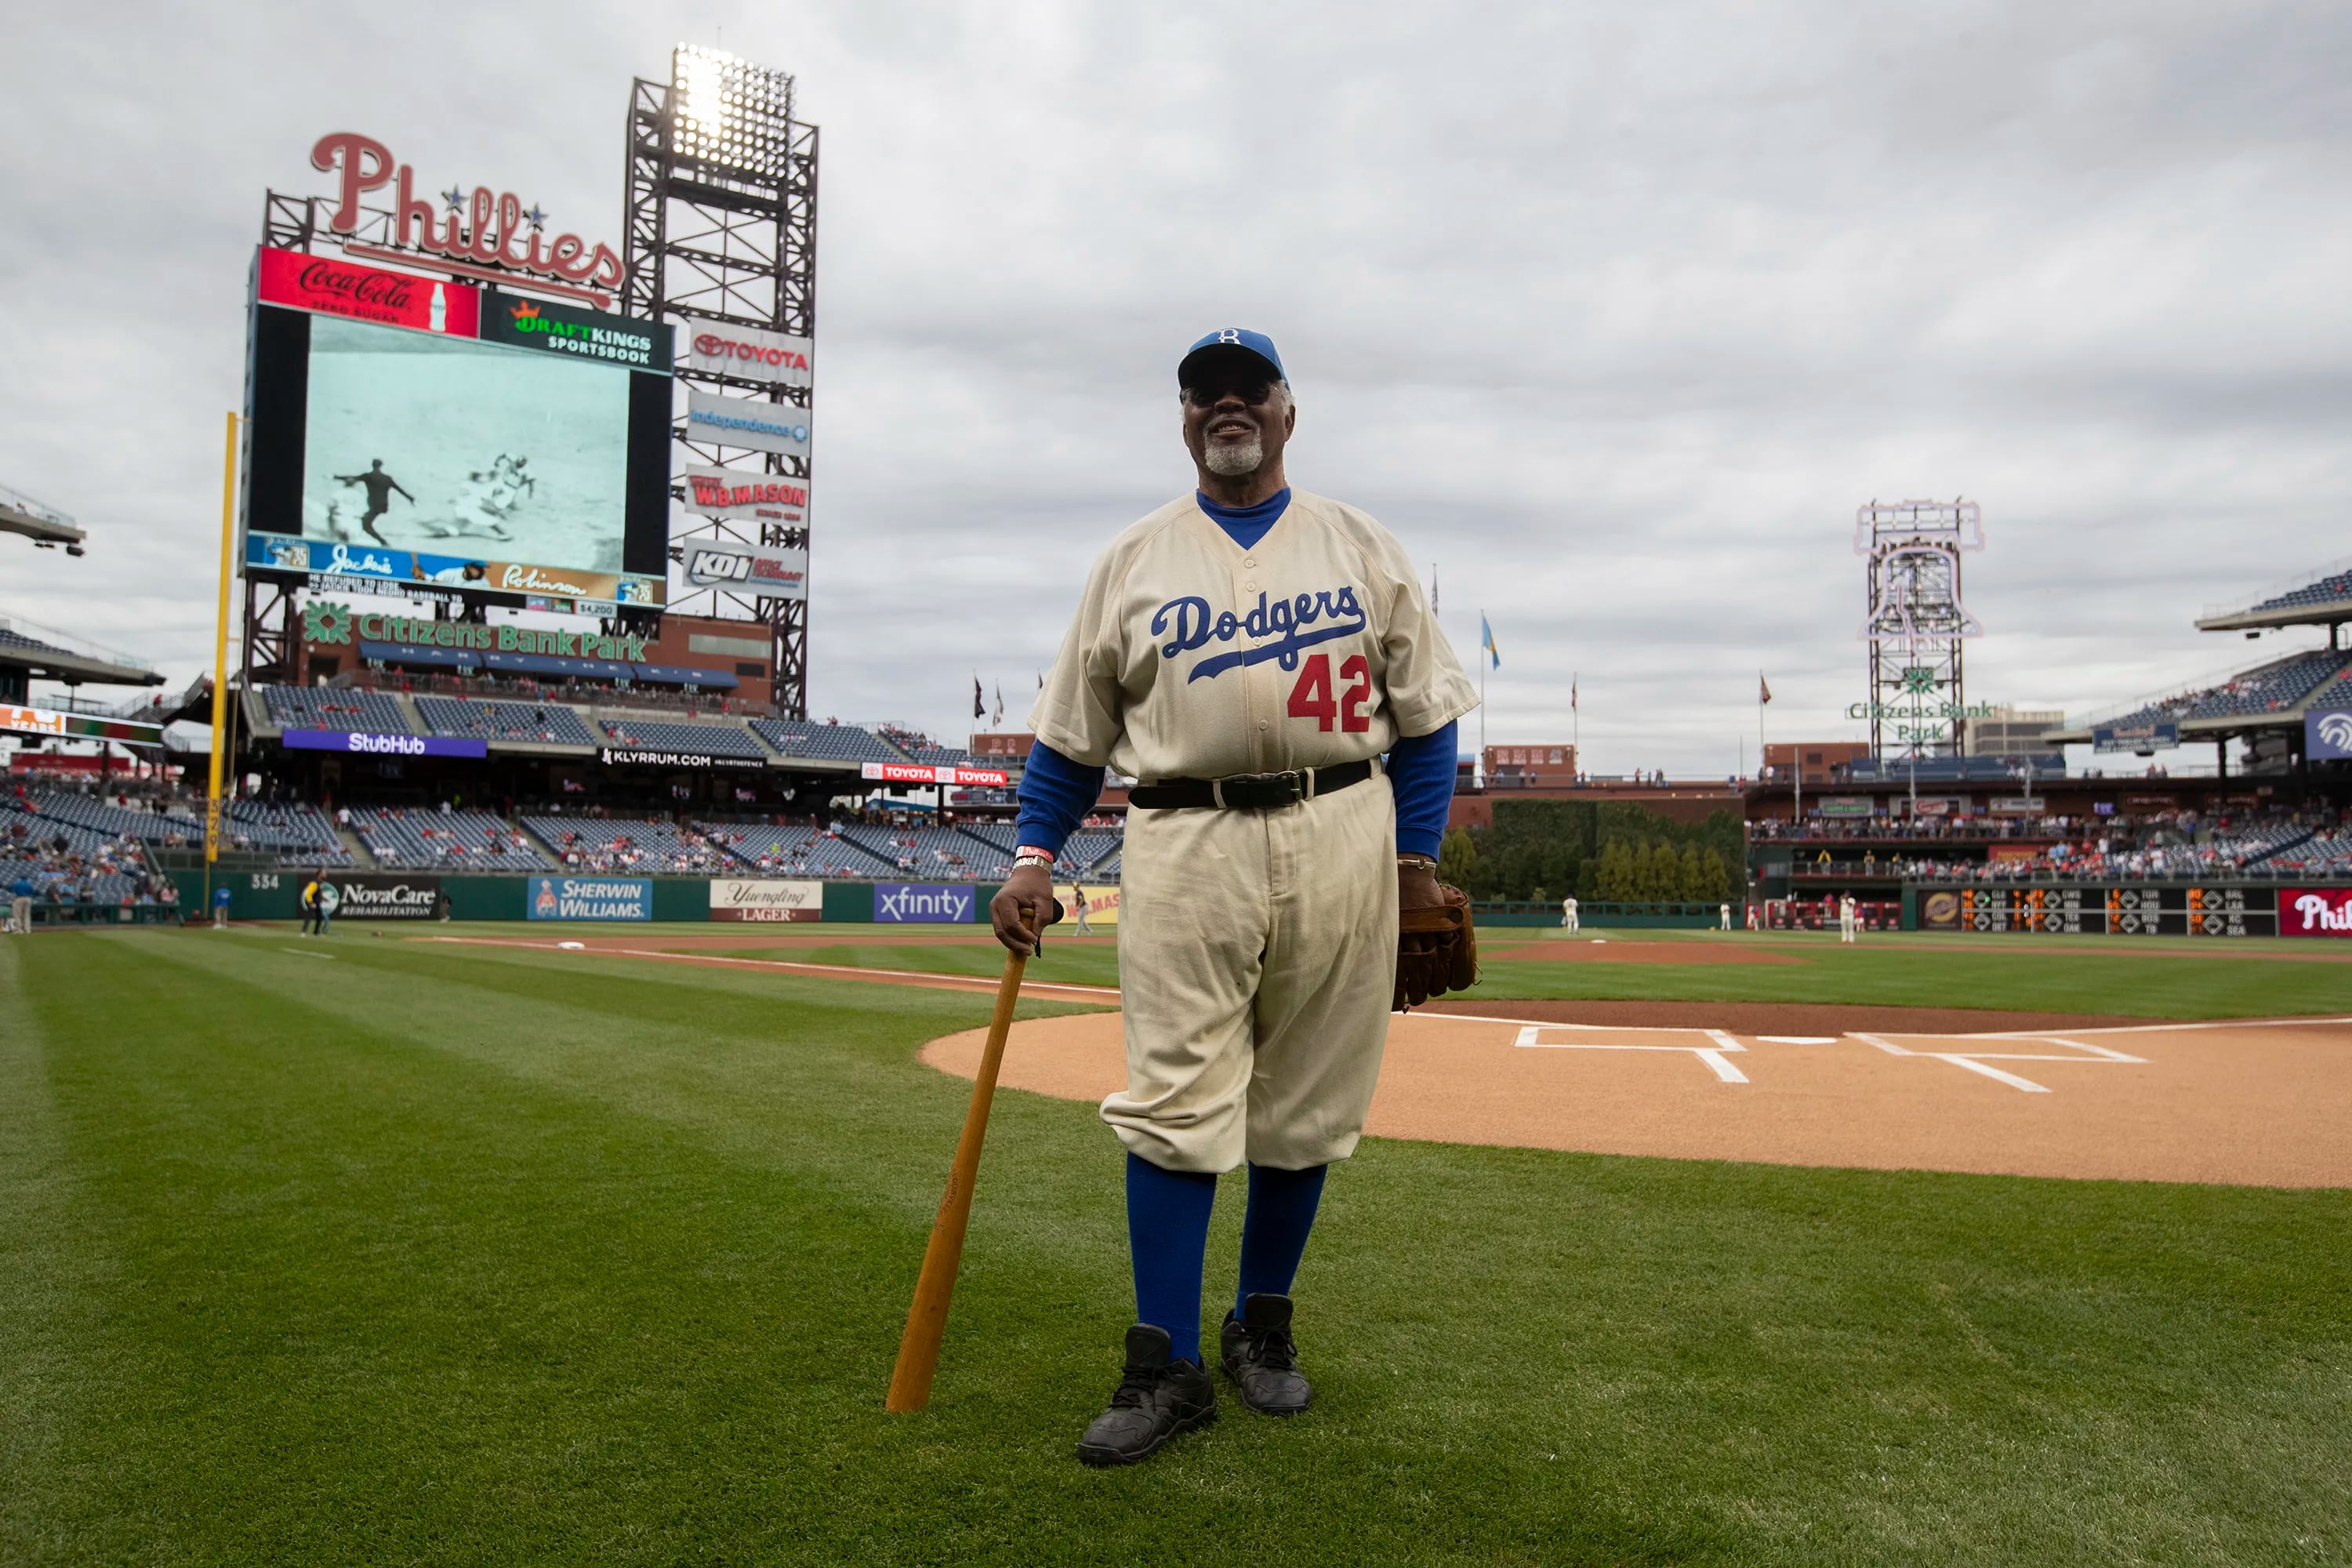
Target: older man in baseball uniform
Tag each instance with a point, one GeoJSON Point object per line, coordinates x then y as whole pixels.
{"type": "Point", "coordinates": [1263, 662]}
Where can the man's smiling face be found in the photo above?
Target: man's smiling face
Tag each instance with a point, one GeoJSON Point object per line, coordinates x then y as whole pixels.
{"type": "Point", "coordinates": [1237, 416]}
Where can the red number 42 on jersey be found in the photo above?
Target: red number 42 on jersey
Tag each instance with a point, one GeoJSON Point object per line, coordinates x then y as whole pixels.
{"type": "Point", "coordinates": [1312, 697]}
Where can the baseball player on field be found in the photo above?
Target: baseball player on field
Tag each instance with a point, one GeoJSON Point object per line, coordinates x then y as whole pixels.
{"type": "Point", "coordinates": [1263, 662]}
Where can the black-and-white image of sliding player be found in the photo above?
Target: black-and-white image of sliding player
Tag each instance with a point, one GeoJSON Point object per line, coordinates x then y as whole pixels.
{"type": "Point", "coordinates": [488, 446]}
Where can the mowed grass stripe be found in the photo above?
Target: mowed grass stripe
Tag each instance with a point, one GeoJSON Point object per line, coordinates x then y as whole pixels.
{"type": "Point", "coordinates": [482, 1255]}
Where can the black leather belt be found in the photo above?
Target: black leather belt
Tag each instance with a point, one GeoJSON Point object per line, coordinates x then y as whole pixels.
{"type": "Point", "coordinates": [1249, 792]}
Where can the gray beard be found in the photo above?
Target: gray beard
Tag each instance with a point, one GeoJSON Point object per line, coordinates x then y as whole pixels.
{"type": "Point", "coordinates": [1231, 462]}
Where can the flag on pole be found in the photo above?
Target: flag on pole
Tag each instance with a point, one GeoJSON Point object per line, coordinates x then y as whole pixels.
{"type": "Point", "coordinates": [978, 707]}
{"type": "Point", "coordinates": [1763, 692]}
{"type": "Point", "coordinates": [1486, 641]}
{"type": "Point", "coordinates": [1571, 691]}
{"type": "Point", "coordinates": [1433, 588]}
{"type": "Point", "coordinates": [997, 716]}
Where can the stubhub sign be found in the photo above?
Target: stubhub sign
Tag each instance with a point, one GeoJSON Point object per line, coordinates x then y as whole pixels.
{"type": "Point", "coordinates": [365, 743]}
{"type": "Point", "coordinates": [592, 899]}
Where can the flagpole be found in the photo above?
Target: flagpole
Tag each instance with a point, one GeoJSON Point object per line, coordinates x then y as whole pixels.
{"type": "Point", "coordinates": [1485, 653]}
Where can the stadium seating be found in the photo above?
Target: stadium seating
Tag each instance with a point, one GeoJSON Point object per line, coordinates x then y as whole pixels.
{"type": "Point", "coordinates": [458, 840]}
{"type": "Point", "coordinates": [2270, 689]}
{"type": "Point", "coordinates": [2327, 591]}
{"type": "Point", "coordinates": [762, 846]}
{"type": "Point", "coordinates": [922, 748]}
{"type": "Point", "coordinates": [1087, 848]}
{"type": "Point", "coordinates": [298, 833]}
{"type": "Point", "coordinates": [833, 742]}
{"type": "Point", "coordinates": [931, 854]}
{"type": "Point", "coordinates": [626, 845]}
{"type": "Point", "coordinates": [69, 862]}
{"type": "Point", "coordinates": [995, 835]}
{"type": "Point", "coordinates": [549, 723]}
{"type": "Point", "coordinates": [334, 708]}
{"type": "Point", "coordinates": [709, 740]}
{"type": "Point", "coordinates": [831, 855]}
{"type": "Point", "coordinates": [2336, 693]}
{"type": "Point", "coordinates": [121, 821]}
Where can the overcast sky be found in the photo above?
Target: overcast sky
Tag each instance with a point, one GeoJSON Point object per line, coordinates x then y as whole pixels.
{"type": "Point", "coordinates": [1612, 314]}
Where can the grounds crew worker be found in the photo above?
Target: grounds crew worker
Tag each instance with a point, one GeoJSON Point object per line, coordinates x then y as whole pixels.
{"type": "Point", "coordinates": [1248, 654]}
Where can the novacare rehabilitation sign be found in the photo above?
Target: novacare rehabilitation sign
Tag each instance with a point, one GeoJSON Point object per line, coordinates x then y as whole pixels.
{"type": "Point", "coordinates": [592, 899]}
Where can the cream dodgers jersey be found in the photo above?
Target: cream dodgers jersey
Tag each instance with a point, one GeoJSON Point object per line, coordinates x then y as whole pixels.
{"type": "Point", "coordinates": [1192, 657]}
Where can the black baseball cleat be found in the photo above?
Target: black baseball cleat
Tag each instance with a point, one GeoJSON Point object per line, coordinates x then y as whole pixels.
{"type": "Point", "coordinates": [1157, 1398]}
{"type": "Point", "coordinates": [1260, 1358]}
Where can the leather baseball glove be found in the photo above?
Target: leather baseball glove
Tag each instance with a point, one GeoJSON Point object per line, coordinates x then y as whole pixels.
{"type": "Point", "coordinates": [1437, 949]}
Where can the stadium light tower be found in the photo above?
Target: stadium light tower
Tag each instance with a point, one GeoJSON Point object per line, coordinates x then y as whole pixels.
{"type": "Point", "coordinates": [1916, 627]}
{"type": "Point", "coordinates": [720, 233]}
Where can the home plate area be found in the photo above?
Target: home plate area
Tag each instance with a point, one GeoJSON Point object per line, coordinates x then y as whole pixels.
{"type": "Point", "coordinates": [2264, 1103]}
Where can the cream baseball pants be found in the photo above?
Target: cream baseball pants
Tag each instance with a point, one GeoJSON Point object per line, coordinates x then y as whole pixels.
{"type": "Point", "coordinates": [1256, 961]}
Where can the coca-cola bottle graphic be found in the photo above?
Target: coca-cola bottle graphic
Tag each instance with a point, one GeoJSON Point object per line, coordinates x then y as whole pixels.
{"type": "Point", "coordinates": [440, 316]}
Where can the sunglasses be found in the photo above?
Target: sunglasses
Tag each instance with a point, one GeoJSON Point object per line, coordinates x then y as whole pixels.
{"type": "Point", "coordinates": [1209, 394]}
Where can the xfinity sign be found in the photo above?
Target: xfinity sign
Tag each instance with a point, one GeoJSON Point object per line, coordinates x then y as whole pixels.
{"type": "Point", "coordinates": [903, 903]}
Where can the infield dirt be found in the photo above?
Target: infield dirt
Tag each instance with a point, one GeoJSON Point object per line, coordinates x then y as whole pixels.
{"type": "Point", "coordinates": [2260, 1103]}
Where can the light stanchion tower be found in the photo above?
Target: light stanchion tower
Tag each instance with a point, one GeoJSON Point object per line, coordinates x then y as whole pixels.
{"type": "Point", "coordinates": [1916, 627]}
{"type": "Point", "coordinates": [720, 233]}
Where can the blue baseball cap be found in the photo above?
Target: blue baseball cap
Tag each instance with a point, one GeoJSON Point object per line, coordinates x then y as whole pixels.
{"type": "Point", "coordinates": [1231, 340]}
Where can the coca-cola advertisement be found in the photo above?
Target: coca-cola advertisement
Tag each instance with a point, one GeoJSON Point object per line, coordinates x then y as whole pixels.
{"type": "Point", "coordinates": [2314, 912]}
{"type": "Point", "coordinates": [333, 286]}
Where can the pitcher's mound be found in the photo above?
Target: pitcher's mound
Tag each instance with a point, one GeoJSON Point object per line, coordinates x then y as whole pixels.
{"type": "Point", "coordinates": [2263, 1103]}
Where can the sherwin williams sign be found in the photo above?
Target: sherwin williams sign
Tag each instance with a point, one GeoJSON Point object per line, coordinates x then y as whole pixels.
{"type": "Point", "coordinates": [907, 903]}
{"type": "Point", "coordinates": [591, 898]}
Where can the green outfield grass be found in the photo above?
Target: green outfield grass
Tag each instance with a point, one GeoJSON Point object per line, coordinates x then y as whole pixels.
{"type": "Point", "coordinates": [2091, 975]}
{"type": "Point", "coordinates": [394, 1251]}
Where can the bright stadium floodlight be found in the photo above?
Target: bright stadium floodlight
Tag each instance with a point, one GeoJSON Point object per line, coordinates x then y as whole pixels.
{"type": "Point", "coordinates": [729, 114]}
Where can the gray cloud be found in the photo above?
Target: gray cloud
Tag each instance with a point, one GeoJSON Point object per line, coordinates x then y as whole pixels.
{"type": "Point", "coordinates": [1613, 316]}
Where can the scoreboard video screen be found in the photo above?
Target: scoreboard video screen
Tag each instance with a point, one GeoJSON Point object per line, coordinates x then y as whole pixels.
{"type": "Point", "coordinates": [2135, 909]}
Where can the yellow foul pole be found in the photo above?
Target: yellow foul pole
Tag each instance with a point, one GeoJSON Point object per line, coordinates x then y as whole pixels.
{"type": "Point", "coordinates": [220, 662]}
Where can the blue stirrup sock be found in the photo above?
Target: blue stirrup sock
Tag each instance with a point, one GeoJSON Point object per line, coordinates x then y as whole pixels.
{"type": "Point", "coordinates": [1273, 1230]}
{"type": "Point", "coordinates": [1168, 1237]}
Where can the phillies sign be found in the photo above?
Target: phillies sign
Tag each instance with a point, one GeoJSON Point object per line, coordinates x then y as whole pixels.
{"type": "Point", "coordinates": [485, 233]}
{"type": "Point", "coordinates": [2322, 911]}
{"type": "Point", "coordinates": [748, 354]}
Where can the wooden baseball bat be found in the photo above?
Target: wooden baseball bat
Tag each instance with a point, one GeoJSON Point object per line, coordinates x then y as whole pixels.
{"type": "Point", "coordinates": [927, 1318]}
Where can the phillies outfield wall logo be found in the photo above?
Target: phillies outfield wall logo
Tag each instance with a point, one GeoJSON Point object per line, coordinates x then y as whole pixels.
{"type": "Point", "coordinates": [2322, 911]}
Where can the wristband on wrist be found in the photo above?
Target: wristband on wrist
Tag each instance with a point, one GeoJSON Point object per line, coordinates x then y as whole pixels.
{"type": "Point", "coordinates": [1407, 857]}
{"type": "Point", "coordinates": [1026, 855]}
